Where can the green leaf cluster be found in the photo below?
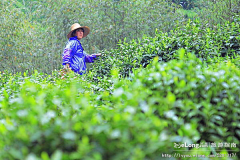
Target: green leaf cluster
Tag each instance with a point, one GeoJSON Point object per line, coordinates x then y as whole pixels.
{"type": "Point", "coordinates": [138, 117]}
{"type": "Point", "coordinates": [207, 44]}
{"type": "Point", "coordinates": [33, 33]}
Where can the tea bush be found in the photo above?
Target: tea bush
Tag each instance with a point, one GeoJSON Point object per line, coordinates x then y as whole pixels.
{"type": "Point", "coordinates": [33, 33]}
{"type": "Point", "coordinates": [138, 117]}
{"type": "Point", "coordinates": [204, 42]}
{"type": "Point", "coordinates": [139, 100]}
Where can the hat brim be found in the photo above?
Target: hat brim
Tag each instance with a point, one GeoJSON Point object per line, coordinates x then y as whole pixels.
{"type": "Point", "coordinates": [85, 33]}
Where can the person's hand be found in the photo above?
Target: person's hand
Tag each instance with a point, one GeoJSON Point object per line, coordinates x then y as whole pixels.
{"type": "Point", "coordinates": [67, 68]}
{"type": "Point", "coordinates": [98, 54]}
{"type": "Point", "coordinates": [63, 72]}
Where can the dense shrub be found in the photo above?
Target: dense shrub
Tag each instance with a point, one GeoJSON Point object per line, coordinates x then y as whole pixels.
{"type": "Point", "coordinates": [33, 33]}
{"type": "Point", "coordinates": [141, 117]}
{"type": "Point", "coordinates": [204, 42]}
{"type": "Point", "coordinates": [138, 100]}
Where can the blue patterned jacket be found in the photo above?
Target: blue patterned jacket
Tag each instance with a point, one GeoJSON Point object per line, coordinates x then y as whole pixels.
{"type": "Point", "coordinates": [74, 55]}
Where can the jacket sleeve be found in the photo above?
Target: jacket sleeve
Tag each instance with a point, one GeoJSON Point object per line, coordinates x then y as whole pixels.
{"type": "Point", "coordinates": [66, 56]}
{"type": "Point", "coordinates": [90, 58]}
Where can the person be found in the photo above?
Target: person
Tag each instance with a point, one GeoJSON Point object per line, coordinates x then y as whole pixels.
{"type": "Point", "coordinates": [74, 57]}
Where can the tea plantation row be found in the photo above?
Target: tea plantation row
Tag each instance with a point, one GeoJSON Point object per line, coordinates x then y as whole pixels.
{"type": "Point", "coordinates": [205, 43]}
{"type": "Point", "coordinates": [142, 116]}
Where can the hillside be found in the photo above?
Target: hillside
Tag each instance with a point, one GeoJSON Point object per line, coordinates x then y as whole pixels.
{"type": "Point", "coordinates": [166, 85]}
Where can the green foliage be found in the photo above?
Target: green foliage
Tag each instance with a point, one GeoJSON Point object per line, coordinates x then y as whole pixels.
{"type": "Point", "coordinates": [33, 33]}
{"type": "Point", "coordinates": [186, 4]}
{"type": "Point", "coordinates": [174, 84]}
{"type": "Point", "coordinates": [204, 42]}
{"type": "Point", "coordinates": [23, 44]}
{"type": "Point", "coordinates": [140, 117]}
{"type": "Point", "coordinates": [188, 13]}
{"type": "Point", "coordinates": [213, 12]}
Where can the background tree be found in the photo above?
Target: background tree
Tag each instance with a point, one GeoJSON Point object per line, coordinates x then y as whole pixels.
{"type": "Point", "coordinates": [33, 33]}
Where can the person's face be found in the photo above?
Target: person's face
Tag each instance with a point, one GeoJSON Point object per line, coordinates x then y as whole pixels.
{"type": "Point", "coordinates": [79, 33]}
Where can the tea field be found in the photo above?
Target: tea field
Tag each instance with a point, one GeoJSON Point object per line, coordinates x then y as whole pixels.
{"type": "Point", "coordinates": [154, 111]}
{"type": "Point", "coordinates": [167, 85]}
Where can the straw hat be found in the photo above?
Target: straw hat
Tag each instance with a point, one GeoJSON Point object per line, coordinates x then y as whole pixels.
{"type": "Point", "coordinates": [77, 26]}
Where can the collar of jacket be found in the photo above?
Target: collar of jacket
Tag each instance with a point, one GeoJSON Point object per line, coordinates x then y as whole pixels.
{"type": "Point", "coordinates": [73, 38]}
